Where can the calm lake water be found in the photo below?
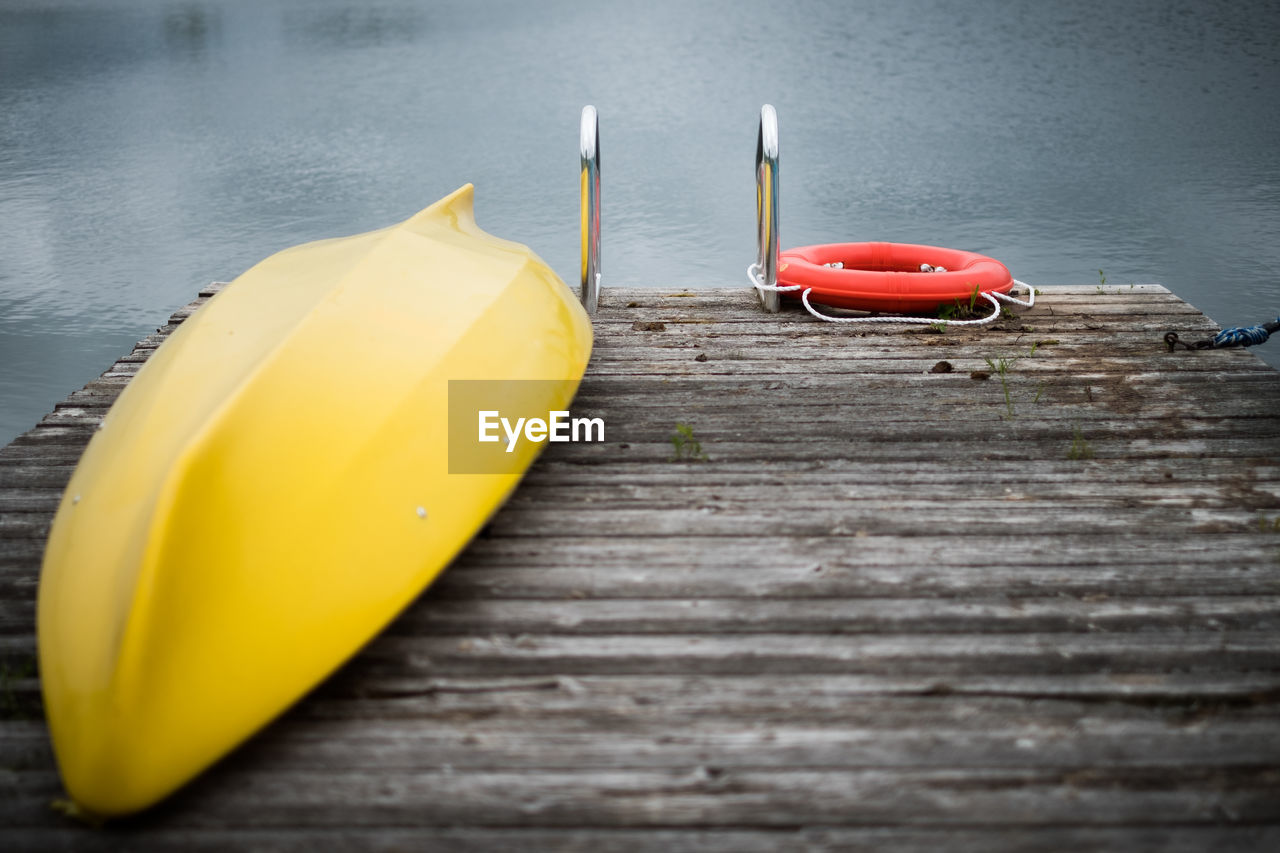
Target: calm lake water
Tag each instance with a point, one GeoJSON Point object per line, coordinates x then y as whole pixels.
{"type": "Point", "coordinates": [147, 148]}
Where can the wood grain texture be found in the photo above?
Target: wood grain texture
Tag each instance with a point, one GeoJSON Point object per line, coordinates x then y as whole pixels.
{"type": "Point", "coordinates": [902, 606]}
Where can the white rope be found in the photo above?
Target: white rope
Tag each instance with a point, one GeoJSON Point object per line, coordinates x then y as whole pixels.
{"type": "Point", "coordinates": [757, 281]}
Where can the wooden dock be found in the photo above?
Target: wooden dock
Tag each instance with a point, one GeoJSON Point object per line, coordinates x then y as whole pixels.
{"type": "Point", "coordinates": [1005, 589]}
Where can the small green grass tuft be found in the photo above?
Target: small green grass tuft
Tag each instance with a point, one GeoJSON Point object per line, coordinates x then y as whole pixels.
{"type": "Point", "coordinates": [1080, 448]}
{"type": "Point", "coordinates": [973, 298]}
{"type": "Point", "coordinates": [687, 448]}
{"type": "Point", "coordinates": [960, 309]}
{"type": "Point", "coordinates": [68, 808]}
{"type": "Point", "coordinates": [1000, 366]}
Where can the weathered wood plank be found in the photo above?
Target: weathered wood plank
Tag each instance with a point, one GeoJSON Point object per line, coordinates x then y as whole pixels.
{"type": "Point", "coordinates": [1175, 698]}
{"type": "Point", "coordinates": [940, 655]}
{"type": "Point", "coordinates": [386, 839]}
{"type": "Point", "coordinates": [817, 578]}
{"type": "Point", "coordinates": [697, 796]}
{"type": "Point", "coordinates": [844, 616]}
{"type": "Point", "coordinates": [818, 518]}
{"type": "Point", "coordinates": [947, 655]}
{"type": "Point", "coordinates": [797, 495]}
{"type": "Point", "coordinates": [1177, 704]}
{"type": "Point", "coordinates": [648, 740]}
{"type": "Point", "coordinates": [1091, 585]}
{"type": "Point", "coordinates": [1056, 614]}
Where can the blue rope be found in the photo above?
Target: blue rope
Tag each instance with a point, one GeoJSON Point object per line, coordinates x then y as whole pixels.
{"type": "Point", "coordinates": [1245, 336]}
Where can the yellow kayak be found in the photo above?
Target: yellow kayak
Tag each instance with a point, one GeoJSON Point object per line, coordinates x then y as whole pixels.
{"type": "Point", "coordinates": [274, 487]}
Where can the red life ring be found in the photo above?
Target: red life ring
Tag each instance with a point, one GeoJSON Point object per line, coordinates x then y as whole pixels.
{"type": "Point", "coordinates": [887, 276]}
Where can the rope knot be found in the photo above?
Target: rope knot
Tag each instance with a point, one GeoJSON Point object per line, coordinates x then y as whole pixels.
{"type": "Point", "coordinates": [1240, 336]}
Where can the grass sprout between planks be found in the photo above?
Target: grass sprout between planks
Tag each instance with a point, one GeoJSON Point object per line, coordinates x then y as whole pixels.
{"type": "Point", "coordinates": [687, 448]}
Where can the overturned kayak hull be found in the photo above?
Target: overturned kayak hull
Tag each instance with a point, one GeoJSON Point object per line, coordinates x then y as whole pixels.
{"type": "Point", "coordinates": [274, 486]}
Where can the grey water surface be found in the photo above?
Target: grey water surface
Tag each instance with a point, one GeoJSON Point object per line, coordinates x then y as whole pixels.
{"type": "Point", "coordinates": [149, 147]}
